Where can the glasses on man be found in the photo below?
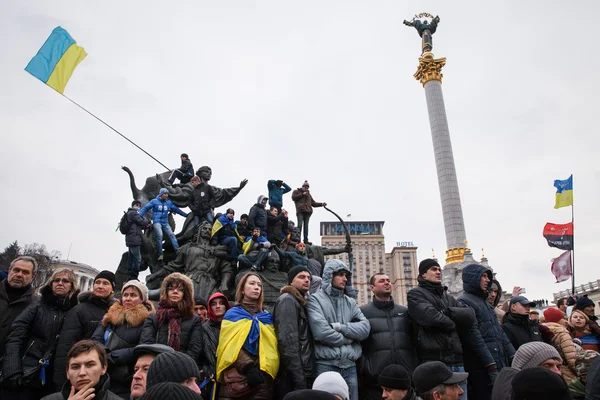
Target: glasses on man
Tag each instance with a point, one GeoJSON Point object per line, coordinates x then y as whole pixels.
{"type": "Point", "coordinates": [61, 280]}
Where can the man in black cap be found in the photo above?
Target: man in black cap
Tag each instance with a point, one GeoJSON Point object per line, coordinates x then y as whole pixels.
{"type": "Point", "coordinates": [183, 173]}
{"type": "Point", "coordinates": [145, 354]}
{"type": "Point", "coordinates": [436, 318]}
{"type": "Point", "coordinates": [396, 384]}
{"type": "Point", "coordinates": [434, 381]}
{"type": "Point", "coordinates": [294, 339]}
{"type": "Point", "coordinates": [174, 367]}
{"type": "Point", "coordinates": [517, 325]}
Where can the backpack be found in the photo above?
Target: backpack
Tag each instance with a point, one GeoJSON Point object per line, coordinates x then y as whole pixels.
{"type": "Point", "coordinates": [124, 225]}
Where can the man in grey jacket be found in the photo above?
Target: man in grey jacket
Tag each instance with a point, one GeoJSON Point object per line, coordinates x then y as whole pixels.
{"type": "Point", "coordinates": [338, 326]}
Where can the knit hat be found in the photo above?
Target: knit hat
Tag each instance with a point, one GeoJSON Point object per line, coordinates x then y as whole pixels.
{"type": "Point", "coordinates": [305, 184]}
{"type": "Point", "coordinates": [394, 377]}
{"type": "Point", "coordinates": [295, 271]}
{"type": "Point", "coordinates": [539, 384]}
{"type": "Point", "coordinates": [139, 286]}
{"type": "Point", "coordinates": [432, 373]}
{"type": "Point", "coordinates": [171, 367]}
{"type": "Point", "coordinates": [200, 301]}
{"type": "Point", "coordinates": [533, 354]}
{"type": "Point", "coordinates": [162, 191]}
{"type": "Point", "coordinates": [553, 315]}
{"type": "Point", "coordinates": [153, 349]}
{"type": "Point", "coordinates": [583, 302]}
{"type": "Point", "coordinates": [170, 390]}
{"type": "Point", "coordinates": [332, 382]}
{"type": "Point", "coordinates": [309, 394]}
{"type": "Point", "coordinates": [109, 276]}
{"type": "Point", "coordinates": [426, 264]}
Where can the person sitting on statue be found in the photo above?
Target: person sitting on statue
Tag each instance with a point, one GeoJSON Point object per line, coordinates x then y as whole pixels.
{"type": "Point", "coordinates": [277, 188]}
{"type": "Point", "coordinates": [224, 232]}
{"type": "Point", "coordinates": [183, 173]}
{"type": "Point", "coordinates": [202, 202]}
{"type": "Point", "coordinates": [255, 242]}
{"type": "Point", "coordinates": [304, 208]}
{"type": "Point", "coordinates": [291, 259]}
{"type": "Point", "coordinates": [161, 206]}
{"type": "Point", "coordinates": [277, 223]}
{"type": "Point", "coordinates": [243, 227]}
{"type": "Point", "coordinates": [257, 217]}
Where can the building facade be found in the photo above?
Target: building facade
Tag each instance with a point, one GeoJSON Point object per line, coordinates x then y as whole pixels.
{"type": "Point", "coordinates": [370, 257]}
{"type": "Point", "coordinates": [84, 273]}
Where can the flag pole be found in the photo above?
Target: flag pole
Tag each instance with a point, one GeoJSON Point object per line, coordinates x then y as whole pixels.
{"type": "Point", "coordinates": [573, 250]}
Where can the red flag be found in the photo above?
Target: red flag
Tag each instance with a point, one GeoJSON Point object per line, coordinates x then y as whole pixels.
{"type": "Point", "coordinates": [559, 235]}
{"type": "Point", "coordinates": [561, 267]}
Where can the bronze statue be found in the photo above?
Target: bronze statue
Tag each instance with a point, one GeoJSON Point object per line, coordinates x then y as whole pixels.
{"type": "Point", "coordinates": [425, 29]}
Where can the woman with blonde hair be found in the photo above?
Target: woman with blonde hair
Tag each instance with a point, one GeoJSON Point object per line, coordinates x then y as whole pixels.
{"type": "Point", "coordinates": [562, 341]}
{"type": "Point", "coordinates": [579, 326]}
{"type": "Point", "coordinates": [247, 356]}
{"type": "Point", "coordinates": [28, 365]}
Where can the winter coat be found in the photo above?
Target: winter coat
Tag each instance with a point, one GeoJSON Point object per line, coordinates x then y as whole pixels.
{"type": "Point", "coordinates": [210, 338]}
{"type": "Point", "coordinates": [435, 317]}
{"type": "Point", "coordinates": [503, 385]}
{"type": "Point", "coordinates": [276, 225]}
{"type": "Point", "coordinates": [304, 204]}
{"type": "Point", "coordinates": [290, 259]}
{"type": "Point", "coordinates": [563, 342]}
{"type": "Point", "coordinates": [119, 333]}
{"type": "Point", "coordinates": [101, 392]}
{"type": "Point", "coordinates": [80, 324]}
{"type": "Point", "coordinates": [187, 167]}
{"type": "Point", "coordinates": [9, 311]}
{"type": "Point", "coordinates": [388, 342]}
{"type": "Point", "coordinates": [276, 194]}
{"type": "Point", "coordinates": [294, 339]}
{"type": "Point", "coordinates": [520, 329]}
{"type": "Point", "coordinates": [257, 217]}
{"type": "Point", "coordinates": [190, 340]}
{"type": "Point", "coordinates": [592, 385]}
{"type": "Point", "coordinates": [136, 223]}
{"type": "Point", "coordinates": [487, 341]}
{"type": "Point", "coordinates": [340, 348]}
{"type": "Point", "coordinates": [160, 210]}
{"type": "Point", "coordinates": [32, 334]}
{"type": "Point", "coordinates": [202, 200]}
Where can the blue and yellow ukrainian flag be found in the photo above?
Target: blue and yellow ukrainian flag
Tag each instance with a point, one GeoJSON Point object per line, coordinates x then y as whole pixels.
{"type": "Point", "coordinates": [564, 192]}
{"type": "Point", "coordinates": [56, 60]}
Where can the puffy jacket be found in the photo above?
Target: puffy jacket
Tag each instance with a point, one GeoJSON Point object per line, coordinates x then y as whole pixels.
{"type": "Point", "coordinates": [435, 318]}
{"type": "Point", "coordinates": [9, 311]}
{"type": "Point", "coordinates": [563, 342]}
{"type": "Point", "coordinates": [520, 329]}
{"type": "Point", "coordinates": [101, 392]}
{"type": "Point", "coordinates": [294, 339]}
{"type": "Point", "coordinates": [388, 343]}
{"type": "Point", "coordinates": [257, 217]}
{"type": "Point", "coordinates": [488, 343]}
{"type": "Point", "coordinates": [80, 324]}
{"type": "Point", "coordinates": [136, 223]}
{"type": "Point", "coordinates": [190, 339]}
{"type": "Point", "coordinates": [202, 200]}
{"type": "Point", "coordinates": [340, 348]}
{"type": "Point", "coordinates": [304, 204]}
{"type": "Point", "coordinates": [31, 335]}
{"type": "Point", "coordinates": [160, 210]}
{"type": "Point", "coordinates": [276, 194]}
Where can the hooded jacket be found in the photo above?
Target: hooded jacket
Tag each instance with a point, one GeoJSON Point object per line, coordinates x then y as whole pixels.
{"type": "Point", "coordinates": [9, 311]}
{"type": "Point", "coordinates": [520, 329]}
{"type": "Point", "coordinates": [257, 217]}
{"type": "Point", "coordinates": [136, 223]}
{"type": "Point", "coordinates": [80, 324]}
{"type": "Point", "coordinates": [304, 204]}
{"type": "Point", "coordinates": [160, 210]}
{"type": "Point", "coordinates": [32, 333]}
{"type": "Point", "coordinates": [497, 307]}
{"type": "Point", "coordinates": [212, 329]}
{"type": "Point", "coordinates": [488, 342]}
{"type": "Point", "coordinates": [341, 347]}
{"type": "Point", "coordinates": [294, 339]}
{"type": "Point", "coordinates": [276, 193]}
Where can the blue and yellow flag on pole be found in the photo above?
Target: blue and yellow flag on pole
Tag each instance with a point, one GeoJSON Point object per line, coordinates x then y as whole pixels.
{"type": "Point", "coordinates": [56, 60]}
{"type": "Point", "coordinates": [564, 192]}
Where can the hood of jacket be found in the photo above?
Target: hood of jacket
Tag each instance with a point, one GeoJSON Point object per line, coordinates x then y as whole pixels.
{"type": "Point", "coordinates": [471, 276]}
{"type": "Point", "coordinates": [135, 316]}
{"type": "Point", "coordinates": [189, 286]}
{"type": "Point", "coordinates": [260, 199]}
{"type": "Point", "coordinates": [217, 295]}
{"type": "Point", "coordinates": [499, 294]}
{"type": "Point", "coordinates": [331, 267]}
{"type": "Point", "coordinates": [64, 303]}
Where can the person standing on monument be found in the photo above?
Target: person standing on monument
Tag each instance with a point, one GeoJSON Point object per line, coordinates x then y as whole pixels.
{"type": "Point", "coordinates": [133, 239]}
{"type": "Point", "coordinates": [257, 217]}
{"type": "Point", "coordinates": [436, 318]}
{"type": "Point", "coordinates": [389, 340]}
{"type": "Point", "coordinates": [277, 188]}
{"type": "Point", "coordinates": [304, 208]}
{"type": "Point", "coordinates": [202, 200]}
{"type": "Point", "coordinates": [183, 173]}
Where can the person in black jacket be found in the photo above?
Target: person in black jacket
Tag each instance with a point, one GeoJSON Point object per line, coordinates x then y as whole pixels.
{"type": "Point", "coordinates": [517, 325]}
{"type": "Point", "coordinates": [257, 217]}
{"type": "Point", "coordinates": [16, 293]}
{"type": "Point", "coordinates": [202, 201]}
{"type": "Point", "coordinates": [436, 318]}
{"type": "Point", "coordinates": [183, 173]}
{"type": "Point", "coordinates": [389, 340]}
{"type": "Point", "coordinates": [82, 321]}
{"type": "Point", "coordinates": [133, 239]}
{"type": "Point", "coordinates": [175, 323]}
{"type": "Point", "coordinates": [294, 339]}
{"type": "Point", "coordinates": [277, 225]}
{"type": "Point", "coordinates": [33, 337]}
{"type": "Point", "coordinates": [488, 349]}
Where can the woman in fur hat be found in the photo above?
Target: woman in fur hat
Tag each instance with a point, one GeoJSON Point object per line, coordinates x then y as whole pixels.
{"type": "Point", "coordinates": [120, 332]}
{"type": "Point", "coordinates": [175, 324]}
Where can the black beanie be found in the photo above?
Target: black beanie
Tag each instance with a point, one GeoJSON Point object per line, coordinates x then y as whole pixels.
{"type": "Point", "coordinates": [200, 301]}
{"type": "Point", "coordinates": [394, 377]}
{"type": "Point", "coordinates": [426, 264]}
{"type": "Point", "coordinates": [539, 383]}
{"type": "Point", "coordinates": [171, 367]}
{"type": "Point", "coordinates": [170, 390]}
{"type": "Point", "coordinates": [109, 276]}
{"type": "Point", "coordinates": [583, 302]}
{"type": "Point", "coordinates": [295, 271]}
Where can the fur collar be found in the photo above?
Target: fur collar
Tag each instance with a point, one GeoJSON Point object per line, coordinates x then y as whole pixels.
{"type": "Point", "coordinates": [294, 292]}
{"type": "Point", "coordinates": [118, 315]}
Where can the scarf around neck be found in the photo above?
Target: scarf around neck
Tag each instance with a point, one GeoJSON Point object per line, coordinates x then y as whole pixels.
{"type": "Point", "coordinates": [168, 313]}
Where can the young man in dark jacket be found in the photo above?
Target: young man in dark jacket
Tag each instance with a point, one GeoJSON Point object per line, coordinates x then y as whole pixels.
{"type": "Point", "coordinates": [389, 340]}
{"type": "Point", "coordinates": [257, 217]}
{"type": "Point", "coordinates": [133, 239]}
{"type": "Point", "coordinates": [294, 339]}
{"type": "Point", "coordinates": [183, 173]}
{"type": "Point", "coordinates": [304, 208]}
{"type": "Point", "coordinates": [436, 318]}
{"type": "Point", "coordinates": [488, 349]}
{"type": "Point", "coordinates": [517, 325]}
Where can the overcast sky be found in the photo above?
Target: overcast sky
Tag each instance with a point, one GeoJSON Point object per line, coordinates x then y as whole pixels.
{"type": "Point", "coordinates": [317, 90]}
